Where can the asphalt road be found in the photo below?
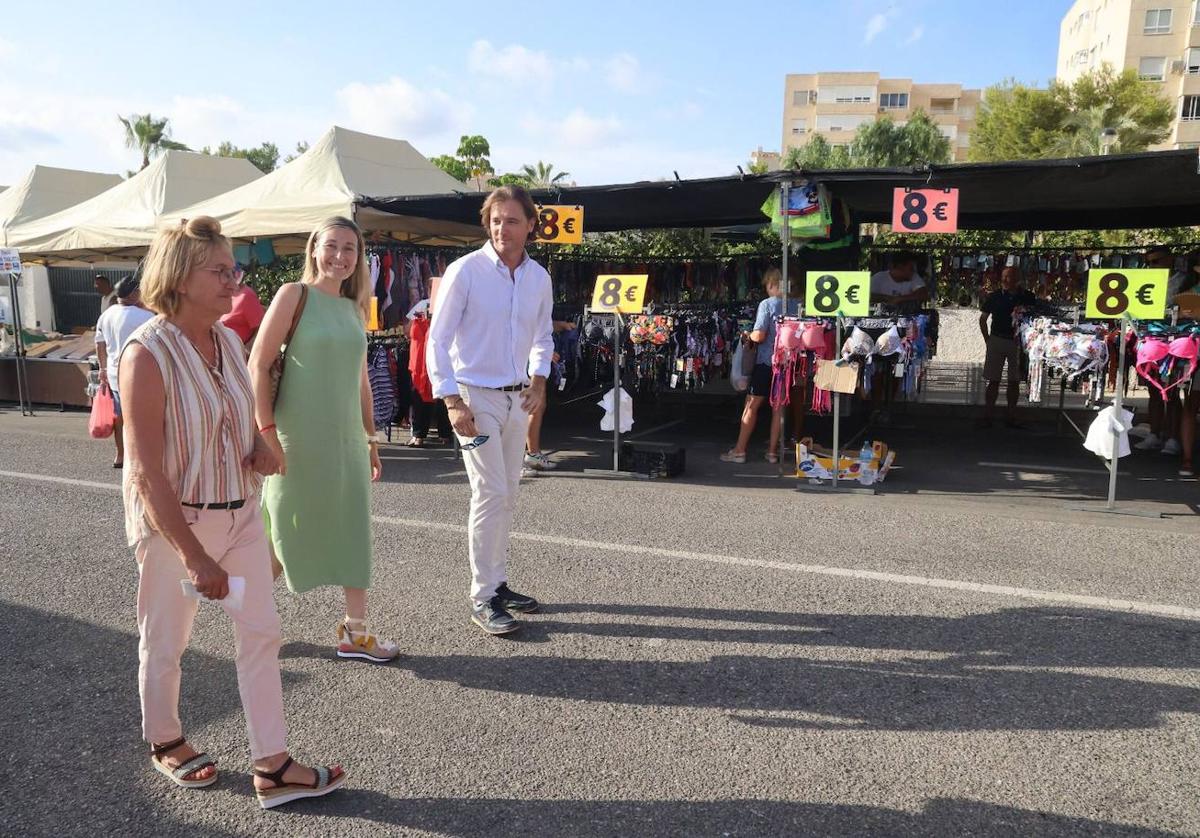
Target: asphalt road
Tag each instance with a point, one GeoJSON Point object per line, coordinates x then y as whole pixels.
{"type": "Point", "coordinates": [715, 658]}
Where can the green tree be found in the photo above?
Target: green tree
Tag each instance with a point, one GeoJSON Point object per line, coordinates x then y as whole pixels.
{"type": "Point", "coordinates": [474, 151]}
{"type": "Point", "coordinates": [1018, 122]}
{"type": "Point", "coordinates": [452, 166]}
{"type": "Point", "coordinates": [815, 154]}
{"type": "Point", "coordinates": [542, 175]}
{"type": "Point", "coordinates": [884, 144]}
{"type": "Point", "coordinates": [301, 147]}
{"type": "Point", "coordinates": [509, 179]}
{"type": "Point", "coordinates": [760, 168]}
{"type": "Point", "coordinates": [148, 135]}
{"type": "Point", "coordinates": [265, 157]}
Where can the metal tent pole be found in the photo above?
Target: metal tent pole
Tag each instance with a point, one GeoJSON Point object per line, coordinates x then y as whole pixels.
{"type": "Point", "coordinates": [785, 236]}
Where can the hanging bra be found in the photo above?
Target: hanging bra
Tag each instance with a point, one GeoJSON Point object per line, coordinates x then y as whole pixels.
{"type": "Point", "coordinates": [1157, 360]}
{"type": "Point", "coordinates": [889, 343]}
{"type": "Point", "coordinates": [813, 338]}
{"type": "Point", "coordinates": [859, 343]}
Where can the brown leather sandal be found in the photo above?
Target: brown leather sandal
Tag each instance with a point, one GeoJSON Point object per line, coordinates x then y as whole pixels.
{"type": "Point", "coordinates": [176, 775]}
{"type": "Point", "coordinates": [328, 778]}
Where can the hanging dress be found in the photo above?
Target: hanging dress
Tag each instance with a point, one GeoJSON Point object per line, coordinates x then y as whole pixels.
{"type": "Point", "coordinates": [318, 515]}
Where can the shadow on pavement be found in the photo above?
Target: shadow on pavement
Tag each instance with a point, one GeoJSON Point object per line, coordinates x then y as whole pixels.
{"type": "Point", "coordinates": [499, 818]}
{"type": "Point", "coordinates": [976, 673]}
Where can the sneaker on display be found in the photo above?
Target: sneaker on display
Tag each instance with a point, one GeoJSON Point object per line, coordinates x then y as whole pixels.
{"type": "Point", "coordinates": [1150, 443]}
{"type": "Point", "coordinates": [540, 462]}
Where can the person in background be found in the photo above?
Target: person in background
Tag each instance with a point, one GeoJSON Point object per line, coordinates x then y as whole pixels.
{"type": "Point", "coordinates": [763, 336]}
{"type": "Point", "coordinates": [190, 491]}
{"type": "Point", "coordinates": [426, 410]}
{"type": "Point", "coordinates": [104, 288]}
{"type": "Point", "coordinates": [488, 356]}
{"type": "Point", "coordinates": [1189, 284]}
{"type": "Point", "coordinates": [900, 287]}
{"type": "Point", "coordinates": [321, 428]}
{"type": "Point", "coordinates": [1164, 412]}
{"type": "Point", "coordinates": [535, 460]}
{"type": "Point", "coordinates": [113, 329]}
{"type": "Point", "coordinates": [1002, 347]}
{"type": "Point", "coordinates": [247, 313]}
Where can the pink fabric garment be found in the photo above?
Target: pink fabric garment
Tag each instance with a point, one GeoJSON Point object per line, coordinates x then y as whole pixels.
{"type": "Point", "coordinates": [246, 315]}
{"type": "Point", "coordinates": [418, 337]}
{"type": "Point", "coordinates": [237, 541]}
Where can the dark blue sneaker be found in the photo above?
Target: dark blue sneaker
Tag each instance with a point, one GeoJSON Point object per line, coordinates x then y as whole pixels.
{"type": "Point", "coordinates": [517, 603]}
{"type": "Point", "coordinates": [492, 618]}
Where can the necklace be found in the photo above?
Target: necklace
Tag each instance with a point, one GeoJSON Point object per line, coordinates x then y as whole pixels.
{"type": "Point", "coordinates": [215, 364]}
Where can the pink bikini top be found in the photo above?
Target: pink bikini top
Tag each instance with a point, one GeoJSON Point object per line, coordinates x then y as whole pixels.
{"type": "Point", "coordinates": [813, 338]}
{"type": "Point", "coordinates": [1152, 352]}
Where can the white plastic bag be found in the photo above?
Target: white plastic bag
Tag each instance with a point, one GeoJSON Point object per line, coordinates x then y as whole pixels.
{"type": "Point", "coordinates": [606, 402]}
{"type": "Point", "coordinates": [740, 382]}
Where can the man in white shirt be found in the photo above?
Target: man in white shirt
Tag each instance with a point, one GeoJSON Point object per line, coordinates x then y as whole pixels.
{"type": "Point", "coordinates": [900, 287]}
{"type": "Point", "coordinates": [113, 329]}
{"type": "Point", "coordinates": [488, 355]}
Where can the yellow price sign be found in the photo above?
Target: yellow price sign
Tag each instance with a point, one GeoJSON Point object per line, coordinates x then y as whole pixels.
{"type": "Point", "coordinates": [1114, 292]}
{"type": "Point", "coordinates": [827, 293]}
{"type": "Point", "coordinates": [559, 224]}
{"type": "Point", "coordinates": [621, 293]}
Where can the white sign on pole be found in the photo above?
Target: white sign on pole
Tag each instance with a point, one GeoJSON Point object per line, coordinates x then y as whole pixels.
{"type": "Point", "coordinates": [10, 260]}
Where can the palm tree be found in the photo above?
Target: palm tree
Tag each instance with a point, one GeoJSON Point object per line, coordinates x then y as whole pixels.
{"type": "Point", "coordinates": [542, 176]}
{"type": "Point", "coordinates": [149, 135]}
{"type": "Point", "coordinates": [1084, 127]}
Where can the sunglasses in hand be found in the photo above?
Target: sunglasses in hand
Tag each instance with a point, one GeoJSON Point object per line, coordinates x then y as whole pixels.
{"type": "Point", "coordinates": [475, 443]}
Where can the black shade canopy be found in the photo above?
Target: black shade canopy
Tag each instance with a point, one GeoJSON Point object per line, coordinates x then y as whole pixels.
{"type": "Point", "coordinates": [1126, 191]}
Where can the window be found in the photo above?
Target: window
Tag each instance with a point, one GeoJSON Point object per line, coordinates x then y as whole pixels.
{"type": "Point", "coordinates": [847, 94]}
{"type": "Point", "coordinates": [799, 126]}
{"type": "Point", "coordinates": [896, 101]}
{"type": "Point", "coordinates": [1152, 69]}
{"type": "Point", "coordinates": [1193, 61]}
{"type": "Point", "coordinates": [1190, 112]}
{"type": "Point", "coordinates": [799, 98]}
{"type": "Point", "coordinates": [1158, 22]}
{"type": "Point", "coordinates": [950, 132]}
{"type": "Point", "coordinates": [943, 105]}
{"type": "Point", "coordinates": [841, 122]}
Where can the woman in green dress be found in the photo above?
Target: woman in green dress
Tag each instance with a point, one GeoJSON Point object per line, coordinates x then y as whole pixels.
{"type": "Point", "coordinates": [321, 426]}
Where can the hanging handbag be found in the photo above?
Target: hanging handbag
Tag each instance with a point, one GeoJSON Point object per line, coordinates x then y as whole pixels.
{"type": "Point", "coordinates": [280, 359]}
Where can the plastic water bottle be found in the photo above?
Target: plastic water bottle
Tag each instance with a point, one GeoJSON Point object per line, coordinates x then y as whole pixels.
{"type": "Point", "coordinates": [866, 475]}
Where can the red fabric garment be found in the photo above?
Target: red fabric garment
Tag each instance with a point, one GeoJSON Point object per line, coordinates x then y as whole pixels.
{"type": "Point", "coordinates": [416, 358]}
{"type": "Point", "coordinates": [246, 315]}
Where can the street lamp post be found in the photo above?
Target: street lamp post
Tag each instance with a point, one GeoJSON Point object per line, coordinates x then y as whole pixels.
{"type": "Point", "coordinates": [1108, 139]}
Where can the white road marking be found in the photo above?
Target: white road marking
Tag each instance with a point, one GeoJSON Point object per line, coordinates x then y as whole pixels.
{"type": "Point", "coordinates": [1051, 469]}
{"type": "Point", "coordinates": [1058, 597]}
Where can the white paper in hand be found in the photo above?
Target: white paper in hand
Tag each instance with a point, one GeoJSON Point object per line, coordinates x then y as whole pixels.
{"type": "Point", "coordinates": [233, 600]}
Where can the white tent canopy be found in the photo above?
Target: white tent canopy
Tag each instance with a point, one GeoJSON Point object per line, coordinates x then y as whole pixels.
{"type": "Point", "coordinates": [46, 190]}
{"type": "Point", "coordinates": [329, 179]}
{"type": "Point", "coordinates": [122, 220]}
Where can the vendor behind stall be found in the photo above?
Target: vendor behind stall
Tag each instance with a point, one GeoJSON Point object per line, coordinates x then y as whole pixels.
{"type": "Point", "coordinates": [900, 288]}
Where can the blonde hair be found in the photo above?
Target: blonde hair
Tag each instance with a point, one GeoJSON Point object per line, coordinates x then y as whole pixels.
{"type": "Point", "coordinates": [355, 287]}
{"type": "Point", "coordinates": [773, 276]}
{"type": "Point", "coordinates": [175, 253]}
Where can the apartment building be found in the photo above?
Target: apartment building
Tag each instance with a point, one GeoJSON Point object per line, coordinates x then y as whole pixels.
{"type": "Point", "coordinates": [835, 104]}
{"type": "Point", "coordinates": [1158, 38]}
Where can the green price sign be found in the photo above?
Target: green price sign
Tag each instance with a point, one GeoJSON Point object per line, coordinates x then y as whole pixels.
{"type": "Point", "coordinates": [1114, 292]}
{"type": "Point", "coordinates": [828, 293]}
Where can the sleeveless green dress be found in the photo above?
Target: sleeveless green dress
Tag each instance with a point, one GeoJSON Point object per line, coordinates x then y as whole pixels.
{"type": "Point", "coordinates": [318, 515]}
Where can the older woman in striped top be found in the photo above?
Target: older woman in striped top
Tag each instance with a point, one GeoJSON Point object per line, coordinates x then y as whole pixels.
{"type": "Point", "coordinates": [193, 466]}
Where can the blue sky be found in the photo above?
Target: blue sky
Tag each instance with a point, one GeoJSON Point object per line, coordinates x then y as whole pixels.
{"type": "Point", "coordinates": [610, 91]}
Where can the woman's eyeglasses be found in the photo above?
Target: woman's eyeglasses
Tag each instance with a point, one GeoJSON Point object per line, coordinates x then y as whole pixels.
{"type": "Point", "coordinates": [230, 276]}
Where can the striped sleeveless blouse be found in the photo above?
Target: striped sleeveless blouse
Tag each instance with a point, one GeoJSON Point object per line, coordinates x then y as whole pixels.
{"type": "Point", "coordinates": [208, 422]}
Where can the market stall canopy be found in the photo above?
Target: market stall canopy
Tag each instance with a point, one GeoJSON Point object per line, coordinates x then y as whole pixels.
{"type": "Point", "coordinates": [712, 202]}
{"type": "Point", "coordinates": [1152, 189]}
{"type": "Point", "coordinates": [335, 177]}
{"type": "Point", "coordinates": [121, 221]}
{"type": "Point", "coordinates": [1125, 191]}
{"type": "Point", "coordinates": [46, 190]}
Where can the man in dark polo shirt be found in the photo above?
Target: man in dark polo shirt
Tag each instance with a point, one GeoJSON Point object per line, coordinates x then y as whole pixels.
{"type": "Point", "coordinates": [1002, 346]}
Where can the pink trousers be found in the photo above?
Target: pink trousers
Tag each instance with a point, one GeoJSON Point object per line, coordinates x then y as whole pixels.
{"type": "Point", "coordinates": [236, 540]}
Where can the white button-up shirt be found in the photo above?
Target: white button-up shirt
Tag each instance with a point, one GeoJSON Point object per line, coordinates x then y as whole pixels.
{"type": "Point", "coordinates": [489, 329]}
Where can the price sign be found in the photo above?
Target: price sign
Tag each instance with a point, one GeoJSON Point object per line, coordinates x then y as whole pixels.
{"type": "Point", "coordinates": [924, 210]}
{"type": "Point", "coordinates": [1140, 293]}
{"type": "Point", "coordinates": [620, 293]}
{"type": "Point", "coordinates": [559, 225]}
{"type": "Point", "coordinates": [827, 293]}
{"type": "Point", "coordinates": [10, 260]}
